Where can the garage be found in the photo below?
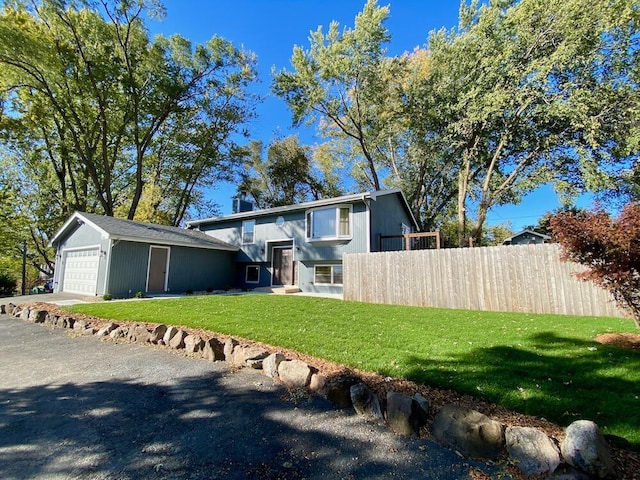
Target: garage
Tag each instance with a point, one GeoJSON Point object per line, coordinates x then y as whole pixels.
{"type": "Point", "coordinates": [80, 269]}
{"type": "Point", "coordinates": [98, 255]}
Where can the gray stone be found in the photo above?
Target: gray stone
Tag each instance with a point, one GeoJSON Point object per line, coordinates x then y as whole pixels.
{"type": "Point", "coordinates": [270, 364]}
{"type": "Point", "coordinates": [3, 309]}
{"type": "Point", "coordinates": [80, 325]}
{"type": "Point", "coordinates": [193, 343]}
{"type": "Point", "coordinates": [10, 308]}
{"type": "Point", "coordinates": [158, 333]}
{"type": "Point", "coordinates": [138, 334]}
{"type": "Point", "coordinates": [365, 402]}
{"type": "Point", "coordinates": [38, 316]}
{"type": "Point", "coordinates": [89, 330]}
{"type": "Point", "coordinates": [229, 346]}
{"type": "Point", "coordinates": [533, 451]}
{"type": "Point", "coordinates": [119, 333]}
{"type": "Point", "coordinates": [169, 334]}
{"type": "Point", "coordinates": [423, 403]}
{"type": "Point", "coordinates": [585, 448]}
{"type": "Point", "coordinates": [24, 314]}
{"type": "Point", "coordinates": [294, 373]}
{"type": "Point", "coordinates": [404, 414]}
{"type": "Point", "coordinates": [213, 350]}
{"type": "Point", "coordinates": [469, 432]}
{"type": "Point", "coordinates": [339, 389]}
{"type": "Point", "coordinates": [177, 341]}
{"type": "Point", "coordinates": [317, 383]}
{"type": "Point", "coordinates": [243, 355]}
{"type": "Point", "coordinates": [51, 320]}
{"type": "Point", "coordinates": [106, 330]}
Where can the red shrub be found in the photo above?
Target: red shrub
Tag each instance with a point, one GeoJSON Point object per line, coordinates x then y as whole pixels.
{"type": "Point", "coordinates": [608, 247]}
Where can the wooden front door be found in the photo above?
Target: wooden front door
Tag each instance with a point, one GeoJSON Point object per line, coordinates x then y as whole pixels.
{"type": "Point", "coordinates": [158, 265]}
{"type": "Point", "coordinates": [282, 266]}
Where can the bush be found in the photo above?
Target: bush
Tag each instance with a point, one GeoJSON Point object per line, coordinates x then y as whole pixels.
{"type": "Point", "coordinates": [107, 297]}
{"type": "Point", "coordinates": [189, 291]}
{"type": "Point", "coordinates": [8, 284]}
{"type": "Point", "coordinates": [609, 248]}
{"type": "Point", "coordinates": [139, 294]}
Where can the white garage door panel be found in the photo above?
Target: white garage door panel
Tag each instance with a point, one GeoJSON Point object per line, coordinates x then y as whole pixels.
{"type": "Point", "coordinates": [81, 271]}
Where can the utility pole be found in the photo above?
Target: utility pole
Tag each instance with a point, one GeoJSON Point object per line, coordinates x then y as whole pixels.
{"type": "Point", "coordinates": [24, 267]}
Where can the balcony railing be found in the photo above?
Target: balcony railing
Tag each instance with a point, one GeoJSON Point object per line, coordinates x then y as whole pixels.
{"type": "Point", "coordinates": [410, 241]}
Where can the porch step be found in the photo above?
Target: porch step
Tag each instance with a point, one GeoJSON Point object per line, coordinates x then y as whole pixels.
{"type": "Point", "coordinates": [279, 290]}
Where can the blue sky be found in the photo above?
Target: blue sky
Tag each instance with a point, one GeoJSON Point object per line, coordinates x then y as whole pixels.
{"type": "Point", "coordinates": [270, 29]}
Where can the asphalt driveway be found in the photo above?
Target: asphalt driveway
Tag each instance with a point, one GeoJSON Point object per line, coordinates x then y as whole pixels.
{"type": "Point", "coordinates": [85, 408]}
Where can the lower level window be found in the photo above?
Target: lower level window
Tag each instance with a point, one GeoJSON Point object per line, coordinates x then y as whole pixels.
{"type": "Point", "coordinates": [328, 275]}
{"type": "Point", "coordinates": [252, 274]}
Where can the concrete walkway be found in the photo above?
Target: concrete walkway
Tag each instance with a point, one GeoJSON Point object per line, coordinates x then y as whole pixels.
{"type": "Point", "coordinates": [79, 407]}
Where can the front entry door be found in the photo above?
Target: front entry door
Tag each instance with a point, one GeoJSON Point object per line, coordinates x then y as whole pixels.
{"type": "Point", "coordinates": [283, 266]}
{"type": "Point", "coordinates": [157, 279]}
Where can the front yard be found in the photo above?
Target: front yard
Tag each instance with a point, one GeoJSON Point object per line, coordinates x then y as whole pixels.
{"type": "Point", "coordinates": [544, 365]}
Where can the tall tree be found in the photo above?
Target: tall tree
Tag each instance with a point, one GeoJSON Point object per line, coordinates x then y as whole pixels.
{"type": "Point", "coordinates": [286, 176]}
{"type": "Point", "coordinates": [91, 95]}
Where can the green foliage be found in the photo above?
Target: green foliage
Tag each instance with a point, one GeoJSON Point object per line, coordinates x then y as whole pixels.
{"type": "Point", "coordinates": [107, 296]}
{"type": "Point", "coordinates": [8, 284]}
{"type": "Point", "coordinates": [285, 177]}
{"type": "Point", "coordinates": [139, 294]}
{"type": "Point", "coordinates": [609, 248]}
{"type": "Point", "coordinates": [544, 365]}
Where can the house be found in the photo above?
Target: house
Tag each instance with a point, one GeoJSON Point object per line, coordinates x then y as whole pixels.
{"type": "Point", "coordinates": [99, 255]}
{"type": "Point", "coordinates": [527, 237]}
{"type": "Point", "coordinates": [302, 245]}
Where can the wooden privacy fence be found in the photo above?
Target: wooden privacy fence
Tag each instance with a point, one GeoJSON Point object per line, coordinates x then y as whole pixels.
{"type": "Point", "coordinates": [524, 278]}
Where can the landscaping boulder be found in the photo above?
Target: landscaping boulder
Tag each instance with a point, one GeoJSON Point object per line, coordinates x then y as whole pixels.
{"type": "Point", "coordinates": [10, 308]}
{"type": "Point", "coordinates": [138, 333]}
{"type": "Point", "coordinates": [469, 431]}
{"type": "Point", "coordinates": [294, 373]}
{"type": "Point", "coordinates": [339, 389]}
{"type": "Point", "coordinates": [119, 333]}
{"type": "Point", "coordinates": [405, 415]}
{"type": "Point", "coordinates": [252, 356]}
{"type": "Point", "coordinates": [80, 325]}
{"type": "Point", "coordinates": [318, 382]}
{"type": "Point", "coordinates": [3, 309]}
{"type": "Point", "coordinates": [423, 403]}
{"type": "Point", "coordinates": [365, 402]}
{"type": "Point", "coordinates": [193, 343]}
{"type": "Point", "coordinates": [585, 448]}
{"type": "Point", "coordinates": [271, 363]}
{"type": "Point", "coordinates": [213, 350]}
{"type": "Point", "coordinates": [157, 334]}
{"type": "Point", "coordinates": [106, 330]}
{"type": "Point", "coordinates": [177, 341]}
{"type": "Point", "coordinates": [533, 451]}
{"type": "Point", "coordinates": [229, 346]}
{"type": "Point", "coordinates": [37, 316]}
{"type": "Point", "coordinates": [169, 334]}
{"type": "Point", "coordinates": [24, 314]}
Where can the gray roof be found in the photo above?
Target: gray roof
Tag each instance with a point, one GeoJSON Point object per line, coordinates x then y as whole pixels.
{"type": "Point", "coordinates": [355, 197]}
{"type": "Point", "coordinates": [529, 232]}
{"type": "Point", "coordinates": [129, 230]}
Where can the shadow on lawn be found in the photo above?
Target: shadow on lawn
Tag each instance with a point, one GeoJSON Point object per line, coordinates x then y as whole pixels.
{"type": "Point", "coordinates": [560, 379]}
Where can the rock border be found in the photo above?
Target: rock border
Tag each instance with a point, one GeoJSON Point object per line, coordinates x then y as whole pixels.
{"type": "Point", "coordinates": [583, 453]}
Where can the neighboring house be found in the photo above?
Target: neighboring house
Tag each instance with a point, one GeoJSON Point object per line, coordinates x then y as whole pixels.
{"type": "Point", "coordinates": [527, 237]}
{"type": "Point", "coordinates": [99, 255]}
{"type": "Point", "coordinates": [302, 245]}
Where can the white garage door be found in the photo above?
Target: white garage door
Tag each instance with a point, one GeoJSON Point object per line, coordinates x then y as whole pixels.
{"type": "Point", "coordinates": [81, 271]}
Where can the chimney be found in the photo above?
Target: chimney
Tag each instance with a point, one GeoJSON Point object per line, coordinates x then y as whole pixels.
{"type": "Point", "coordinates": [241, 202]}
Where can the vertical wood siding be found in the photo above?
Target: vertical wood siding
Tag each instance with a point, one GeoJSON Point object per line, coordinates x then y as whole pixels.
{"type": "Point", "coordinates": [525, 278]}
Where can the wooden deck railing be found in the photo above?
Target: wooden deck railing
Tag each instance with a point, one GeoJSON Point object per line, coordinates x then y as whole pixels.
{"type": "Point", "coordinates": [410, 241]}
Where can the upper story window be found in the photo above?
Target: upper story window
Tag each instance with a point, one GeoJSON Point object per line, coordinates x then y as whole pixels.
{"type": "Point", "coordinates": [332, 223]}
{"type": "Point", "coordinates": [248, 231]}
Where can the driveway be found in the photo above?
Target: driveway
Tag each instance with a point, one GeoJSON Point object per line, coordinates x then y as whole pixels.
{"type": "Point", "coordinates": [85, 408]}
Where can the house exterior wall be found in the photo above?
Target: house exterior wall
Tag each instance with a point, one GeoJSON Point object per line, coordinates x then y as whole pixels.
{"type": "Point", "coordinates": [83, 236]}
{"type": "Point", "coordinates": [527, 239]}
{"type": "Point", "coordinates": [387, 217]}
{"type": "Point", "coordinates": [189, 268]}
{"type": "Point", "coordinates": [269, 233]}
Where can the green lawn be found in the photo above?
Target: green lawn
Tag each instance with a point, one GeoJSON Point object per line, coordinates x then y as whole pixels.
{"type": "Point", "coordinates": [544, 365]}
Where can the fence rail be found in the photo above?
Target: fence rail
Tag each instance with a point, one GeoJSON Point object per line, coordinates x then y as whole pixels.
{"type": "Point", "coordinates": [526, 278]}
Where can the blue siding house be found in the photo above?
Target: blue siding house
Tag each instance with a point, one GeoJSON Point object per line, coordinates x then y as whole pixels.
{"type": "Point", "coordinates": [302, 245]}
{"type": "Point", "coordinates": [99, 255]}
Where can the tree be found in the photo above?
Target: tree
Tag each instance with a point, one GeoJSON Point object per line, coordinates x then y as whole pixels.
{"type": "Point", "coordinates": [608, 247]}
{"type": "Point", "coordinates": [90, 96]}
{"type": "Point", "coordinates": [532, 91]}
{"type": "Point", "coordinates": [285, 177]}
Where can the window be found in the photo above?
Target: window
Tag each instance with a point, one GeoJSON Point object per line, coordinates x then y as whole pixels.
{"type": "Point", "coordinates": [252, 274]}
{"type": "Point", "coordinates": [248, 230]}
{"type": "Point", "coordinates": [328, 275]}
{"type": "Point", "coordinates": [329, 223]}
